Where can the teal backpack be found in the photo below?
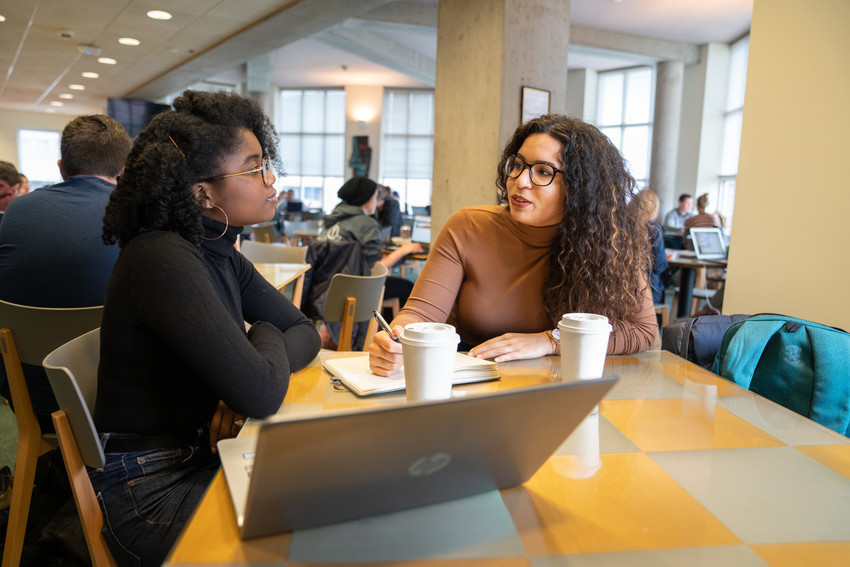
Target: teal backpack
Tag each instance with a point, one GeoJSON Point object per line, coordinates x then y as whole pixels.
{"type": "Point", "coordinates": [798, 364]}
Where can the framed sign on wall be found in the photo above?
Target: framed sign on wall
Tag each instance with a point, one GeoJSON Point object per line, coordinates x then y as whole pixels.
{"type": "Point", "coordinates": [535, 102]}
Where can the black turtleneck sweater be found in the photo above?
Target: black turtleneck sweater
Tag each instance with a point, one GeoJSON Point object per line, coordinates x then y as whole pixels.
{"type": "Point", "coordinates": [173, 340]}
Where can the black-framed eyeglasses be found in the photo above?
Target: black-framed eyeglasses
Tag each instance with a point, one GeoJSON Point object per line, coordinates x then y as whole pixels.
{"type": "Point", "coordinates": [264, 170]}
{"type": "Point", "coordinates": [541, 173]}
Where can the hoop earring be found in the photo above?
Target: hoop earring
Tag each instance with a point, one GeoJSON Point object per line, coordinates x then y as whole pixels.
{"type": "Point", "coordinates": [226, 224]}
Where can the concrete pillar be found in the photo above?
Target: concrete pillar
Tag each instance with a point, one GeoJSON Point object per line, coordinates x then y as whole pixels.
{"type": "Point", "coordinates": [487, 50]}
{"type": "Point", "coordinates": [258, 78]}
{"type": "Point", "coordinates": [669, 83]}
{"type": "Point", "coordinates": [581, 94]}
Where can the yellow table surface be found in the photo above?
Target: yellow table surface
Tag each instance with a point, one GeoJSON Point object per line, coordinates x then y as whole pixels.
{"type": "Point", "coordinates": [694, 471]}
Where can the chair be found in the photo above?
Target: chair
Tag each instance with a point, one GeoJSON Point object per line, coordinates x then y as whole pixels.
{"type": "Point", "coordinates": [352, 299]}
{"type": "Point", "coordinates": [262, 253]}
{"type": "Point", "coordinates": [264, 233]}
{"type": "Point", "coordinates": [72, 371]}
{"type": "Point", "coordinates": [662, 312]}
{"type": "Point", "coordinates": [27, 334]}
{"type": "Point", "coordinates": [297, 233]}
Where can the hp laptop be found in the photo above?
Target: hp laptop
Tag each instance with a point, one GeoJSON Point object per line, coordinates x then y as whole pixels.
{"type": "Point", "coordinates": [300, 472]}
{"type": "Point", "coordinates": [708, 243]}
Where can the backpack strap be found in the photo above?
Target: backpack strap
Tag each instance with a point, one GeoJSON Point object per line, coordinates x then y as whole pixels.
{"type": "Point", "coordinates": [831, 395]}
{"type": "Point", "coordinates": [686, 337]}
{"type": "Point", "coordinates": [745, 349]}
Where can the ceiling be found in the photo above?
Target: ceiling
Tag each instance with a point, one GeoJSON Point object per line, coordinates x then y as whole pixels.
{"type": "Point", "coordinates": [297, 43]}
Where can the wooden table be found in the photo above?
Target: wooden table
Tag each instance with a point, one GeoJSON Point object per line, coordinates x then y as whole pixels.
{"type": "Point", "coordinates": [692, 275]}
{"type": "Point", "coordinates": [281, 275]}
{"type": "Point", "coordinates": [415, 260]}
{"type": "Point", "coordinates": [694, 471]}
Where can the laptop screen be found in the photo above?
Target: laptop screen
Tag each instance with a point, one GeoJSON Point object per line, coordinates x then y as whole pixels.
{"type": "Point", "coordinates": [708, 243]}
{"type": "Point", "coordinates": [421, 229]}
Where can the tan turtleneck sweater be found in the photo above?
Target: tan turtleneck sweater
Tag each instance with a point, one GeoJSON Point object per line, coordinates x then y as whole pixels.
{"type": "Point", "coordinates": [485, 275]}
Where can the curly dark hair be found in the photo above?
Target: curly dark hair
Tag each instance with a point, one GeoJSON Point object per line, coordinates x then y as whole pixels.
{"type": "Point", "coordinates": [601, 260]}
{"type": "Point", "coordinates": [173, 152]}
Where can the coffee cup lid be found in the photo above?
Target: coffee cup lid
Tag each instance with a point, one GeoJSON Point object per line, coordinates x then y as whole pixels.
{"type": "Point", "coordinates": [585, 322]}
{"type": "Point", "coordinates": [430, 333]}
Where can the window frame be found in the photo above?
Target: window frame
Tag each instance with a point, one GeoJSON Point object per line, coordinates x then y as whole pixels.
{"type": "Point", "coordinates": [623, 124]}
{"type": "Point", "coordinates": [27, 165]}
{"type": "Point", "coordinates": [414, 189]}
{"type": "Point", "coordinates": [317, 189]}
{"type": "Point", "coordinates": [733, 115]}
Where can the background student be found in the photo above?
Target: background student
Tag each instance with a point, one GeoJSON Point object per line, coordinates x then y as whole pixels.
{"type": "Point", "coordinates": [51, 251]}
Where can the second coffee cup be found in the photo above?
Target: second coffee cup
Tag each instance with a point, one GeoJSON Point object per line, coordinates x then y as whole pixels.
{"type": "Point", "coordinates": [584, 343]}
{"type": "Point", "coordinates": [429, 357]}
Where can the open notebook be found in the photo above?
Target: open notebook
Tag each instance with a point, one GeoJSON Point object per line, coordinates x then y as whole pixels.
{"type": "Point", "coordinates": [354, 373]}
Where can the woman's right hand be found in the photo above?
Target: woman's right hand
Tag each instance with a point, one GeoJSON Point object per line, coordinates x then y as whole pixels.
{"type": "Point", "coordinates": [385, 354]}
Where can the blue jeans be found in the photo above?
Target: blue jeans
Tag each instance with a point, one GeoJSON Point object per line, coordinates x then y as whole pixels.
{"type": "Point", "coordinates": [148, 496]}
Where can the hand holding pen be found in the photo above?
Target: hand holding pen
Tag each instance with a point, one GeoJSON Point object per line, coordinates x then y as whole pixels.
{"type": "Point", "coordinates": [384, 325]}
{"type": "Point", "coordinates": [385, 355]}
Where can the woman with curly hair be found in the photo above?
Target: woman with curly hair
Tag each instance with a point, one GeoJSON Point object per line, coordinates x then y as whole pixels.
{"type": "Point", "coordinates": [567, 241]}
{"type": "Point", "coordinates": [178, 371]}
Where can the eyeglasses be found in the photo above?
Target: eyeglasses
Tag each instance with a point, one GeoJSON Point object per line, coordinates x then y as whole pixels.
{"type": "Point", "coordinates": [541, 173]}
{"type": "Point", "coordinates": [264, 170]}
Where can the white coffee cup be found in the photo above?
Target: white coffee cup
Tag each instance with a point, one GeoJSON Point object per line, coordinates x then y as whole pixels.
{"type": "Point", "coordinates": [584, 343]}
{"type": "Point", "coordinates": [429, 360]}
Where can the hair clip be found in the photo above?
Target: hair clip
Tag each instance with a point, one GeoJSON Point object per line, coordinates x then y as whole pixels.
{"type": "Point", "coordinates": [175, 145]}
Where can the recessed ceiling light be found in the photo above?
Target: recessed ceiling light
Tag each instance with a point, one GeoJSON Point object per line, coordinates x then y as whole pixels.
{"type": "Point", "coordinates": [2, 18]}
{"type": "Point", "coordinates": [56, 103]}
{"type": "Point", "coordinates": [90, 75]}
{"type": "Point", "coordinates": [77, 87]}
{"type": "Point", "coordinates": [107, 60]}
{"type": "Point", "coordinates": [159, 15]}
{"type": "Point", "coordinates": [128, 41]}
{"type": "Point", "coordinates": [66, 96]}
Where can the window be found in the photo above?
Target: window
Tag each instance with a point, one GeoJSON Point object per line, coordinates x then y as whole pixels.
{"type": "Point", "coordinates": [38, 152]}
{"type": "Point", "coordinates": [311, 126]}
{"type": "Point", "coordinates": [734, 115]}
{"type": "Point", "coordinates": [624, 114]}
{"type": "Point", "coordinates": [407, 145]}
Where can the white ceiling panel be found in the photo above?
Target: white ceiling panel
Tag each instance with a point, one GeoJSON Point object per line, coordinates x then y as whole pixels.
{"type": "Point", "coordinates": [211, 40]}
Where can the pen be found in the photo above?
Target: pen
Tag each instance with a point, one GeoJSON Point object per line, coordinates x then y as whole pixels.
{"type": "Point", "coordinates": [384, 325]}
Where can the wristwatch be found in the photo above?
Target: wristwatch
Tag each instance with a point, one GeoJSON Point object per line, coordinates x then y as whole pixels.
{"type": "Point", "coordinates": [554, 337]}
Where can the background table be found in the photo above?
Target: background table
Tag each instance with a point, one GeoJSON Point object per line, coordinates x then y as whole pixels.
{"type": "Point", "coordinates": [281, 275]}
{"type": "Point", "coordinates": [692, 275]}
{"type": "Point", "coordinates": [415, 260]}
{"type": "Point", "coordinates": [694, 471]}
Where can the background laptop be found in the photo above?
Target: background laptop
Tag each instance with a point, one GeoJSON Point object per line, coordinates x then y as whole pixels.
{"type": "Point", "coordinates": [708, 243]}
{"type": "Point", "coordinates": [300, 472]}
{"type": "Point", "coordinates": [421, 230]}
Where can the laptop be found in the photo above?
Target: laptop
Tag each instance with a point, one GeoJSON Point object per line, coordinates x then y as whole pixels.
{"type": "Point", "coordinates": [306, 471]}
{"type": "Point", "coordinates": [421, 230]}
{"type": "Point", "coordinates": [708, 243]}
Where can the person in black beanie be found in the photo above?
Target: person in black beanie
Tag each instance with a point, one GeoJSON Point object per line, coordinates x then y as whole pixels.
{"type": "Point", "coordinates": [353, 219]}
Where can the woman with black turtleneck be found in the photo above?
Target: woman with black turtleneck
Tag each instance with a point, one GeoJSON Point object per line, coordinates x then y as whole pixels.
{"type": "Point", "coordinates": [178, 371]}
